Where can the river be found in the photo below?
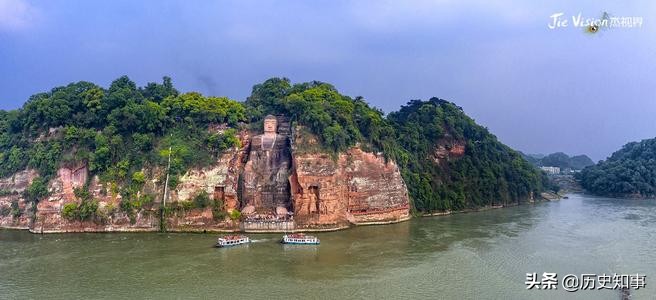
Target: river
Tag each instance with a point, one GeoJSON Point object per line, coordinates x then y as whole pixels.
{"type": "Point", "coordinates": [483, 255]}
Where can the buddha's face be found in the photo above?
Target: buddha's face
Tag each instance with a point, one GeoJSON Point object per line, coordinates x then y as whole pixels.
{"type": "Point", "coordinates": [270, 126]}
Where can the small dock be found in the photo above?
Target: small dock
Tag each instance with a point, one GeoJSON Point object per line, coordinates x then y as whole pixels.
{"type": "Point", "coordinates": [268, 226]}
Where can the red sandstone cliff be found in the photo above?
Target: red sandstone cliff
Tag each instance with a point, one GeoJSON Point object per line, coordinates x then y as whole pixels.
{"type": "Point", "coordinates": [356, 187]}
{"type": "Point", "coordinates": [13, 188]}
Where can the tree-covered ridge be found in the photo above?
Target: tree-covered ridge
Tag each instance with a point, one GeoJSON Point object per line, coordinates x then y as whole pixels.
{"type": "Point", "coordinates": [488, 173]}
{"type": "Point", "coordinates": [630, 171]}
{"type": "Point", "coordinates": [124, 130]}
{"type": "Point", "coordinates": [119, 132]}
{"type": "Point", "coordinates": [561, 160]}
{"type": "Point", "coordinates": [338, 120]}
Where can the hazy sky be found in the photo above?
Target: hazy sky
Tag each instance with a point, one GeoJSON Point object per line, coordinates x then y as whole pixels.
{"type": "Point", "coordinates": [540, 90]}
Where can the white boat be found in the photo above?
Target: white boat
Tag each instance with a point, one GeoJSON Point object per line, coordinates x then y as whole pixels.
{"type": "Point", "coordinates": [232, 240]}
{"type": "Point", "coordinates": [299, 239]}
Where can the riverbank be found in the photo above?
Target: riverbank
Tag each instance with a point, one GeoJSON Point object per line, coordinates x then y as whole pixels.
{"type": "Point", "coordinates": [546, 196]}
{"type": "Point", "coordinates": [294, 229]}
{"type": "Point", "coordinates": [80, 227]}
{"type": "Point", "coordinates": [417, 259]}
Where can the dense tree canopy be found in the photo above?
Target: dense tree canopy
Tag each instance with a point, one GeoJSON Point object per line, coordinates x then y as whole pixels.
{"type": "Point", "coordinates": [487, 173]}
{"type": "Point", "coordinates": [338, 120]}
{"type": "Point", "coordinates": [116, 131]}
{"type": "Point", "coordinates": [631, 171]}
{"type": "Point", "coordinates": [561, 160]}
{"type": "Point", "coordinates": [124, 130]}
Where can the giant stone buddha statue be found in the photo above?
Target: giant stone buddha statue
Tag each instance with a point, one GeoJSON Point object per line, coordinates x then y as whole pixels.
{"type": "Point", "coordinates": [266, 174]}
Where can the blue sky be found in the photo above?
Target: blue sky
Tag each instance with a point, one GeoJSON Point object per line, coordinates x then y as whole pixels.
{"type": "Point", "coordinates": [539, 90]}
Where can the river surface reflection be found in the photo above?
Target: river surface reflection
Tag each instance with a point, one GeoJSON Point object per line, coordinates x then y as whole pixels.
{"type": "Point", "coordinates": [483, 255]}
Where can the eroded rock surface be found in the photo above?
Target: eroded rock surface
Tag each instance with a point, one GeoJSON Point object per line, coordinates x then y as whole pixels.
{"type": "Point", "coordinates": [268, 175]}
{"type": "Point", "coordinates": [12, 188]}
{"type": "Point", "coordinates": [358, 188]}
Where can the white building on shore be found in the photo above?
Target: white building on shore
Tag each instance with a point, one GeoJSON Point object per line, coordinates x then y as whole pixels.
{"type": "Point", "coordinates": [551, 170]}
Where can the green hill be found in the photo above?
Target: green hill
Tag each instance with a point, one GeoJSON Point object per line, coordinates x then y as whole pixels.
{"type": "Point", "coordinates": [561, 160]}
{"type": "Point", "coordinates": [630, 171]}
{"type": "Point", "coordinates": [487, 172]}
{"type": "Point", "coordinates": [447, 160]}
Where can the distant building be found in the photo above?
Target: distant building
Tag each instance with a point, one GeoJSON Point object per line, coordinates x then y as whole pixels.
{"type": "Point", "coordinates": [551, 170]}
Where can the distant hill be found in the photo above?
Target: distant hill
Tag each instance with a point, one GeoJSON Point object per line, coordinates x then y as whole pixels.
{"type": "Point", "coordinates": [631, 171]}
{"type": "Point", "coordinates": [559, 159]}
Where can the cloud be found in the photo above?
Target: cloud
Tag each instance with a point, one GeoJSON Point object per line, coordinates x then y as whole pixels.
{"type": "Point", "coordinates": [16, 15]}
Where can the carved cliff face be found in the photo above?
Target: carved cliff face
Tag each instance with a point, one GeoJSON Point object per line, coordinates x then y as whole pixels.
{"type": "Point", "coordinates": [265, 176]}
{"type": "Point", "coordinates": [268, 174]}
{"type": "Point", "coordinates": [359, 187]}
{"type": "Point", "coordinates": [270, 124]}
{"type": "Point", "coordinates": [13, 188]}
{"type": "Point", "coordinates": [219, 180]}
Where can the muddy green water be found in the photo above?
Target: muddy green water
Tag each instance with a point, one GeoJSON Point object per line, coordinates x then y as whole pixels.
{"type": "Point", "coordinates": [483, 255]}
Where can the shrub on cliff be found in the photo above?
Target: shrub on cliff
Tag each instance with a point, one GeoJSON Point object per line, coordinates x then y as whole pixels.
{"type": "Point", "coordinates": [202, 199]}
{"type": "Point", "coordinates": [219, 142]}
{"type": "Point", "coordinates": [138, 178]}
{"type": "Point", "coordinates": [4, 193]}
{"type": "Point", "coordinates": [218, 214]}
{"type": "Point", "coordinates": [37, 190]}
{"type": "Point", "coordinates": [5, 210]}
{"type": "Point", "coordinates": [70, 211]}
{"type": "Point", "coordinates": [86, 210]}
{"type": "Point", "coordinates": [15, 209]}
{"type": "Point", "coordinates": [235, 215]}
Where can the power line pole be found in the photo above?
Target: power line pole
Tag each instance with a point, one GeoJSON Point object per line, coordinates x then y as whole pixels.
{"type": "Point", "coordinates": [166, 192]}
{"type": "Point", "coordinates": [168, 172]}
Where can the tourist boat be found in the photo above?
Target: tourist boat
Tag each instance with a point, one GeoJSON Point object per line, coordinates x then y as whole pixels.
{"type": "Point", "coordinates": [299, 239]}
{"type": "Point", "coordinates": [232, 240]}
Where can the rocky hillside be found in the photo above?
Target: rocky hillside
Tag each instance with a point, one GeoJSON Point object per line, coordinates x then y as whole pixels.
{"type": "Point", "coordinates": [629, 172]}
{"type": "Point", "coordinates": [291, 157]}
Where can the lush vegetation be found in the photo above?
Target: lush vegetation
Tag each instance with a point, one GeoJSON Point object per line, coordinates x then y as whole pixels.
{"type": "Point", "coordinates": [487, 173]}
{"type": "Point", "coordinates": [561, 160]}
{"type": "Point", "coordinates": [118, 132]}
{"type": "Point", "coordinates": [87, 209]}
{"type": "Point", "coordinates": [339, 121]}
{"type": "Point", "coordinates": [631, 171]}
{"type": "Point", "coordinates": [124, 133]}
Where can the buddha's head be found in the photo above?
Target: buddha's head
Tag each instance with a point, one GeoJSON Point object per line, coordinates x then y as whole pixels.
{"type": "Point", "coordinates": [270, 124]}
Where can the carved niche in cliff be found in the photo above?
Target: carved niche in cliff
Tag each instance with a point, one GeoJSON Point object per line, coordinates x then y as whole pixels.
{"type": "Point", "coordinates": [265, 177]}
